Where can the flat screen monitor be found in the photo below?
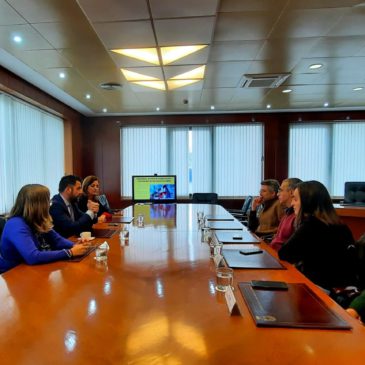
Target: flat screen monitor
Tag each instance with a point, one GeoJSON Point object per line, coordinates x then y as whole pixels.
{"type": "Point", "coordinates": [154, 188]}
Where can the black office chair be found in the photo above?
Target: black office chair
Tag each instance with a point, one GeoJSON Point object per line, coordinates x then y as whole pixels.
{"type": "Point", "coordinates": [241, 214]}
{"type": "Point", "coordinates": [205, 198]}
{"type": "Point", "coordinates": [354, 193]}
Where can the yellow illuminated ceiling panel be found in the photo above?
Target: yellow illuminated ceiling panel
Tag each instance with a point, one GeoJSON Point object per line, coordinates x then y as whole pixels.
{"type": "Point", "coordinates": [168, 55]}
{"type": "Point", "coordinates": [160, 85]}
{"type": "Point", "coordinates": [175, 84]}
{"type": "Point", "coordinates": [143, 54]}
{"type": "Point", "coordinates": [135, 76]}
{"type": "Point", "coordinates": [171, 54]}
{"type": "Point", "coordinates": [196, 73]}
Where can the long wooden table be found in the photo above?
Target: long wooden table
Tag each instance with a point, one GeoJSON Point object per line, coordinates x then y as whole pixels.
{"type": "Point", "coordinates": [154, 302]}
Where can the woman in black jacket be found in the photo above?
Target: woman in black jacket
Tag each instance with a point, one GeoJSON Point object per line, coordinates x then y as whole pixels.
{"type": "Point", "coordinates": [320, 245]}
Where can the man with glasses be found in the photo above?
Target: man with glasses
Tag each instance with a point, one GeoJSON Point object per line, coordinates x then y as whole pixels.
{"type": "Point", "coordinates": [266, 211]}
{"type": "Point", "coordinates": [286, 226]}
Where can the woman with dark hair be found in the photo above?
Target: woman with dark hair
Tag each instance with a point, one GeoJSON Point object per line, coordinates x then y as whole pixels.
{"type": "Point", "coordinates": [91, 191]}
{"type": "Point", "coordinates": [320, 244]}
{"type": "Point", "coordinates": [28, 236]}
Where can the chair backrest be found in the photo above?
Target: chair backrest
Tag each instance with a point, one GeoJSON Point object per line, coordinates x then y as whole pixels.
{"type": "Point", "coordinates": [205, 198]}
{"type": "Point", "coordinates": [246, 205]}
{"type": "Point", "coordinates": [355, 193]}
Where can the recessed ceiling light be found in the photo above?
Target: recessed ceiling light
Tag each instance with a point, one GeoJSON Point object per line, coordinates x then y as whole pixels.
{"type": "Point", "coordinates": [326, 104]}
{"type": "Point", "coordinates": [287, 91]}
{"type": "Point", "coordinates": [88, 96]}
{"type": "Point", "coordinates": [212, 107]}
{"type": "Point", "coordinates": [17, 39]}
{"type": "Point", "coordinates": [315, 66]}
{"type": "Point", "coordinates": [157, 108]}
{"type": "Point", "coordinates": [62, 75]}
{"type": "Point", "coordinates": [105, 110]}
{"type": "Point", "coordinates": [268, 106]}
{"type": "Point", "coordinates": [358, 88]}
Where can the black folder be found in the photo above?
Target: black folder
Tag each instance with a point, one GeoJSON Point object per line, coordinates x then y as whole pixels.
{"type": "Point", "coordinates": [103, 233]}
{"type": "Point", "coordinates": [121, 219]}
{"type": "Point", "coordinates": [214, 217]}
{"type": "Point", "coordinates": [240, 237]}
{"type": "Point", "coordinates": [297, 307]}
{"type": "Point", "coordinates": [225, 225]}
{"type": "Point", "coordinates": [261, 260]}
{"type": "Point", "coordinates": [79, 258]}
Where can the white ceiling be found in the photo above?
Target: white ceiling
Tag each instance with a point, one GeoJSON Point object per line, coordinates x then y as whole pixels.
{"type": "Point", "coordinates": [243, 37]}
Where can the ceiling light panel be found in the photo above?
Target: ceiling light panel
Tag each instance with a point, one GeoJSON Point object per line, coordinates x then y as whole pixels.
{"type": "Point", "coordinates": [171, 54]}
{"type": "Point", "coordinates": [135, 76]}
{"type": "Point", "coordinates": [159, 85]}
{"type": "Point", "coordinates": [175, 84]}
{"type": "Point", "coordinates": [148, 55]}
{"type": "Point", "coordinates": [196, 73]}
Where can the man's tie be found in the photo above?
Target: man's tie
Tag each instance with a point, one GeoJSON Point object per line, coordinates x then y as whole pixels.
{"type": "Point", "coordinates": [71, 211]}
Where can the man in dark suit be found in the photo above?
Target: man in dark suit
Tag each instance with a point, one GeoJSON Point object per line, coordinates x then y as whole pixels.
{"type": "Point", "coordinates": [68, 219]}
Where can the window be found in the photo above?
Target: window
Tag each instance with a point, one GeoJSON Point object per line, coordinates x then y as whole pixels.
{"type": "Point", "coordinates": [328, 152]}
{"type": "Point", "coordinates": [31, 147]}
{"type": "Point", "coordinates": [222, 159]}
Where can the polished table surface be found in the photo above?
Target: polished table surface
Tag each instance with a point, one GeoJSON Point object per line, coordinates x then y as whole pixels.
{"type": "Point", "coordinates": [154, 302]}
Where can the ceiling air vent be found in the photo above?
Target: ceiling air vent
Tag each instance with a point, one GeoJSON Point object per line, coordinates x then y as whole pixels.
{"type": "Point", "coordinates": [110, 86]}
{"type": "Point", "coordinates": [269, 81]}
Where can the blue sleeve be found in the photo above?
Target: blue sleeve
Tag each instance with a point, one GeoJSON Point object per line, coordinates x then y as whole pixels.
{"type": "Point", "coordinates": [57, 241]}
{"type": "Point", "coordinates": [21, 237]}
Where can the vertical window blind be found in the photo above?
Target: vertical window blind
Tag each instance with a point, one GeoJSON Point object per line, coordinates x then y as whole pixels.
{"type": "Point", "coordinates": [222, 159]}
{"type": "Point", "coordinates": [32, 149]}
{"type": "Point", "coordinates": [331, 153]}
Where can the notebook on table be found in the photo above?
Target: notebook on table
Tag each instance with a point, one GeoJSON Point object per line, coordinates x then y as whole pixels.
{"type": "Point", "coordinates": [296, 307]}
{"type": "Point", "coordinates": [225, 225]}
{"type": "Point", "coordinates": [259, 260]}
{"type": "Point", "coordinates": [214, 217]}
{"type": "Point", "coordinates": [240, 237]}
{"type": "Point", "coordinates": [79, 258]}
{"type": "Point", "coordinates": [121, 219]}
{"type": "Point", "coordinates": [103, 233]}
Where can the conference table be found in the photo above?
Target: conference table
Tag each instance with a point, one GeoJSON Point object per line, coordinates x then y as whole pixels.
{"type": "Point", "coordinates": [153, 301]}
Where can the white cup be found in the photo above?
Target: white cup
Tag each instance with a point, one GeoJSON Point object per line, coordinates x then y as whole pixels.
{"type": "Point", "coordinates": [85, 234]}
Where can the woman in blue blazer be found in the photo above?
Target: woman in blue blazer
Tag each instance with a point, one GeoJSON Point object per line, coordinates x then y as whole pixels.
{"type": "Point", "coordinates": [28, 236]}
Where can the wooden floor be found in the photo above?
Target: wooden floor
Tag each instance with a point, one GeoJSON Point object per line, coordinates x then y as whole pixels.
{"type": "Point", "coordinates": [154, 302]}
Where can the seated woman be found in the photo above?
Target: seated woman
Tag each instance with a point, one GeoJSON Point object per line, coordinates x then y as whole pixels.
{"type": "Point", "coordinates": [28, 236]}
{"type": "Point", "coordinates": [320, 244]}
{"type": "Point", "coordinates": [91, 191]}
